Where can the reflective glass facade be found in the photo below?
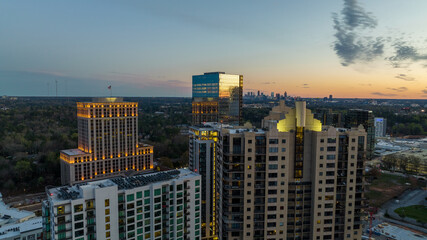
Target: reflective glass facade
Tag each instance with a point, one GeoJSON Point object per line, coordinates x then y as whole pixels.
{"type": "Point", "coordinates": [217, 97]}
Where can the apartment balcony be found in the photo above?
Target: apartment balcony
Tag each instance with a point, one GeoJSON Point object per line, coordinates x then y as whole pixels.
{"type": "Point", "coordinates": [61, 214]}
{"type": "Point", "coordinates": [63, 222]}
{"type": "Point", "coordinates": [233, 220]}
{"type": "Point", "coordinates": [339, 222]}
{"type": "Point", "coordinates": [233, 170]}
{"type": "Point", "coordinates": [229, 187]}
{"type": "Point", "coordinates": [341, 183]}
{"type": "Point", "coordinates": [258, 226]}
{"type": "Point", "coordinates": [228, 204]}
{"type": "Point", "coordinates": [231, 179]}
{"type": "Point", "coordinates": [63, 230]}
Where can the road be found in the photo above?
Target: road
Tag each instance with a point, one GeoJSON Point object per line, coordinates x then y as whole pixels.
{"type": "Point", "coordinates": [415, 197]}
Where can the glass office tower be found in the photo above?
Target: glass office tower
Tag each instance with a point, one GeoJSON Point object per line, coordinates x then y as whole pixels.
{"type": "Point", "coordinates": [217, 97]}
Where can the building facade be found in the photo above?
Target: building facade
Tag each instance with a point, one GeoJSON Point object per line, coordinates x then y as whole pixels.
{"type": "Point", "coordinates": [380, 127]}
{"type": "Point", "coordinates": [293, 179]}
{"type": "Point", "coordinates": [163, 205]}
{"type": "Point", "coordinates": [217, 97]}
{"type": "Point", "coordinates": [202, 150]}
{"type": "Point", "coordinates": [328, 117]}
{"type": "Point", "coordinates": [356, 117]}
{"type": "Point", "coordinates": [108, 142]}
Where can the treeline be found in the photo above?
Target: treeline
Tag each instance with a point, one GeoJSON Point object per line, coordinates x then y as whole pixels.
{"type": "Point", "coordinates": [254, 115]}
{"type": "Point", "coordinates": [33, 131]}
{"type": "Point", "coordinates": [403, 124]}
{"type": "Point", "coordinates": [403, 163]}
{"type": "Point", "coordinates": [31, 137]}
{"type": "Point", "coordinates": [163, 131]}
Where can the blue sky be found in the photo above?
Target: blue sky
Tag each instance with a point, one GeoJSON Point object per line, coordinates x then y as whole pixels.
{"type": "Point", "coordinates": [152, 48]}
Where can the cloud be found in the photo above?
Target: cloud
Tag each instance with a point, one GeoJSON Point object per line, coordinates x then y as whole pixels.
{"type": "Point", "coordinates": [404, 55]}
{"type": "Point", "coordinates": [351, 45]}
{"type": "Point", "coordinates": [405, 77]}
{"type": "Point", "coordinates": [49, 73]}
{"type": "Point", "coordinates": [355, 16]}
{"type": "Point", "coordinates": [305, 85]}
{"type": "Point", "coordinates": [268, 82]}
{"type": "Point", "coordinates": [356, 42]}
{"type": "Point", "coordinates": [367, 84]}
{"type": "Point", "coordinates": [384, 94]}
{"type": "Point", "coordinates": [178, 82]}
{"type": "Point", "coordinates": [424, 91]}
{"type": "Point", "coordinates": [401, 89]}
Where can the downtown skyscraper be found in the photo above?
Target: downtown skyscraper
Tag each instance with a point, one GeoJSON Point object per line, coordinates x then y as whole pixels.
{"type": "Point", "coordinates": [107, 142]}
{"type": "Point", "coordinates": [217, 97]}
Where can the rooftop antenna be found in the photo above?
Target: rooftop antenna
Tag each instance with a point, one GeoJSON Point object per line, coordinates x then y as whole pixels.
{"type": "Point", "coordinates": [111, 91]}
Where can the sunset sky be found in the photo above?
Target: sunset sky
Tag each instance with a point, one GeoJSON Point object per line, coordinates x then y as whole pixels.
{"type": "Point", "coordinates": [309, 48]}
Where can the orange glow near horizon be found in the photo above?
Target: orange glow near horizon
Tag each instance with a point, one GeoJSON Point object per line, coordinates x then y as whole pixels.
{"type": "Point", "coordinates": [340, 86]}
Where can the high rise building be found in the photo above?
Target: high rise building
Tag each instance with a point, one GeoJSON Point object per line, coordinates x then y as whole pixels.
{"type": "Point", "coordinates": [272, 94]}
{"type": "Point", "coordinates": [108, 142]}
{"type": "Point", "coordinates": [217, 97]}
{"type": "Point", "coordinates": [293, 179]}
{"type": "Point", "coordinates": [286, 95]}
{"type": "Point", "coordinates": [277, 95]}
{"type": "Point", "coordinates": [328, 117]}
{"type": "Point", "coordinates": [356, 117]}
{"type": "Point", "coordinates": [380, 127]}
{"type": "Point", "coordinates": [202, 150]}
{"type": "Point", "coordinates": [163, 205]}
{"type": "Point", "coordinates": [330, 97]}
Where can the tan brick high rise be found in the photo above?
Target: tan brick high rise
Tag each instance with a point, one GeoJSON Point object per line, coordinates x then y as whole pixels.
{"type": "Point", "coordinates": [108, 142]}
{"type": "Point", "coordinates": [292, 180]}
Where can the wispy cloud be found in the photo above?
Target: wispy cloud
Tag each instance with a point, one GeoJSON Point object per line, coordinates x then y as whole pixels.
{"type": "Point", "coordinates": [44, 72]}
{"type": "Point", "coordinates": [405, 54]}
{"type": "Point", "coordinates": [424, 91]}
{"type": "Point", "coordinates": [305, 85]}
{"type": "Point", "coordinates": [356, 41]}
{"type": "Point", "coordinates": [268, 82]}
{"type": "Point", "coordinates": [351, 44]}
{"type": "Point", "coordinates": [405, 77]}
{"type": "Point", "coordinates": [401, 89]}
{"type": "Point", "coordinates": [384, 94]}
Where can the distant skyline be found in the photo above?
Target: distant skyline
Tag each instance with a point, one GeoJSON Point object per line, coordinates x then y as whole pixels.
{"type": "Point", "coordinates": [309, 48]}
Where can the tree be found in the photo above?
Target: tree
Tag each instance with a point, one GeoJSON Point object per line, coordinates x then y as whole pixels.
{"type": "Point", "coordinates": [9, 184]}
{"type": "Point", "coordinates": [415, 162]}
{"type": "Point", "coordinates": [23, 168]}
{"type": "Point", "coordinates": [389, 162]}
{"type": "Point", "coordinates": [40, 181]}
{"type": "Point", "coordinates": [165, 162]}
{"type": "Point", "coordinates": [403, 163]}
{"type": "Point", "coordinates": [374, 173]}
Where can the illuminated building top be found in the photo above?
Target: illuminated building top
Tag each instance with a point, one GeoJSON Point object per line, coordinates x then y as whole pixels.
{"type": "Point", "coordinates": [288, 119]}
